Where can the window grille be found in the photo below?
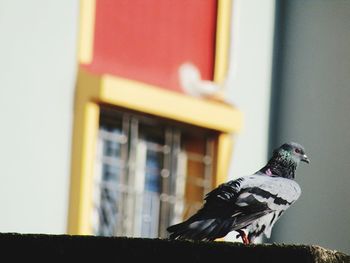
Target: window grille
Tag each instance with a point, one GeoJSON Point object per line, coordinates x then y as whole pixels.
{"type": "Point", "coordinates": [150, 173]}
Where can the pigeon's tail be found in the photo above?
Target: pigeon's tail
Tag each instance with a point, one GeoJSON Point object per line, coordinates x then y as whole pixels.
{"type": "Point", "coordinates": [205, 229]}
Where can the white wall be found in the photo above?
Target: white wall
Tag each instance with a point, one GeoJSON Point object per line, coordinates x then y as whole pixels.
{"type": "Point", "coordinates": [37, 76]}
{"type": "Point", "coordinates": [249, 81]}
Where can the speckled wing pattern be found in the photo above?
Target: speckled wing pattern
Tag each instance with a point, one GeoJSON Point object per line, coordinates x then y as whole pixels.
{"type": "Point", "coordinates": [258, 201]}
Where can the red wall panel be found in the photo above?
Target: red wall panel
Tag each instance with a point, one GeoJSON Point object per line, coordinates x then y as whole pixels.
{"type": "Point", "coordinates": [147, 40]}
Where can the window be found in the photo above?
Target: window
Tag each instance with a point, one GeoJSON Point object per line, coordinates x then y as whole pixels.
{"type": "Point", "coordinates": [150, 173]}
{"type": "Point", "coordinates": [156, 152]}
{"type": "Point", "coordinates": [143, 125]}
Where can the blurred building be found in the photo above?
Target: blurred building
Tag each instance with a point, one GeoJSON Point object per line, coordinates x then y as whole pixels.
{"type": "Point", "coordinates": [119, 117]}
{"type": "Point", "coordinates": [152, 130]}
{"type": "Point", "coordinates": [310, 105]}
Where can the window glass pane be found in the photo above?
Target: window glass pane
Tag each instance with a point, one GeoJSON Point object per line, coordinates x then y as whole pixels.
{"type": "Point", "coordinates": [149, 174]}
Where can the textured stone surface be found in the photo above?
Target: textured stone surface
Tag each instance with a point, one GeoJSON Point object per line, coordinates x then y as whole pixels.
{"type": "Point", "coordinates": [63, 247]}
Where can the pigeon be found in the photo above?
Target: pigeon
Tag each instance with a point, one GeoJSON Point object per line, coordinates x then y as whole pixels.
{"type": "Point", "coordinates": [249, 205]}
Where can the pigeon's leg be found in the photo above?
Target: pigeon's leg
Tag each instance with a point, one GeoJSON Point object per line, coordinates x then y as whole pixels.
{"type": "Point", "coordinates": [244, 237]}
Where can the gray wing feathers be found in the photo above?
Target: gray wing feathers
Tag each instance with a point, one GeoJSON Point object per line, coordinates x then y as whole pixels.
{"type": "Point", "coordinates": [250, 202]}
{"type": "Point", "coordinates": [277, 193]}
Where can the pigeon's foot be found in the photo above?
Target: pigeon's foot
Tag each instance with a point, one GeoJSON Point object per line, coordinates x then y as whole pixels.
{"type": "Point", "coordinates": [244, 237]}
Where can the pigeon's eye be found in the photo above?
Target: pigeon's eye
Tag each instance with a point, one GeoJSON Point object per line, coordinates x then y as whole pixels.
{"type": "Point", "coordinates": [297, 150]}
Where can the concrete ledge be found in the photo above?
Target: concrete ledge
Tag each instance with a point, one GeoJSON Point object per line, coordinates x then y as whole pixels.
{"type": "Point", "coordinates": [50, 247]}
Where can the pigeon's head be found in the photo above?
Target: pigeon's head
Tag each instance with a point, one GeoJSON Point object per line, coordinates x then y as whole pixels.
{"type": "Point", "coordinates": [293, 152]}
{"type": "Point", "coordinates": [285, 160]}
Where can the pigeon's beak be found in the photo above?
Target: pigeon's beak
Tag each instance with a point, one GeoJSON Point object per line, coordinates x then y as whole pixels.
{"type": "Point", "coordinates": [305, 159]}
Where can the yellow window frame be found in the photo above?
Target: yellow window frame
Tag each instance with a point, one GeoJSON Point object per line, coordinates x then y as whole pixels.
{"type": "Point", "coordinates": [93, 90]}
